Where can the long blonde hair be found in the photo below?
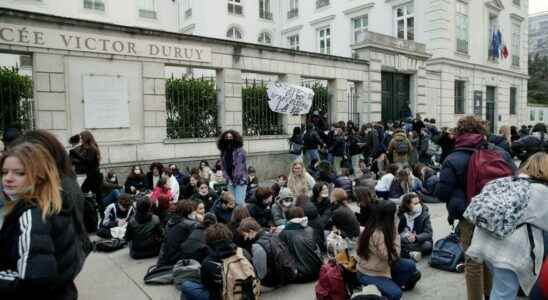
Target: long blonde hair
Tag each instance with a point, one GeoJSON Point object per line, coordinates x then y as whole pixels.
{"type": "Point", "coordinates": [506, 133]}
{"type": "Point", "coordinates": [537, 166]}
{"type": "Point", "coordinates": [42, 184]}
{"type": "Point", "coordinates": [298, 184]}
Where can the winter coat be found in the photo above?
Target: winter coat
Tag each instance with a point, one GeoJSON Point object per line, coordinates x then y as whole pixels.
{"type": "Point", "coordinates": [429, 184]}
{"type": "Point", "coordinates": [178, 229]}
{"type": "Point", "coordinates": [138, 183]}
{"type": "Point", "coordinates": [299, 239]}
{"type": "Point", "coordinates": [260, 212]}
{"type": "Point", "coordinates": [451, 187]}
{"type": "Point", "coordinates": [195, 247]}
{"type": "Point", "coordinates": [144, 234]}
{"type": "Point", "coordinates": [447, 145]}
{"type": "Point", "coordinates": [39, 257]}
{"type": "Point", "coordinates": [316, 222]}
{"type": "Point", "coordinates": [500, 142]}
{"type": "Point", "coordinates": [375, 140]}
{"type": "Point", "coordinates": [161, 197]}
{"type": "Point", "coordinates": [399, 137]}
{"type": "Point", "coordinates": [297, 139]}
{"type": "Point", "coordinates": [223, 216]}
{"type": "Point", "coordinates": [322, 206]}
{"type": "Point", "coordinates": [345, 220]}
{"type": "Point", "coordinates": [212, 267]}
{"type": "Point", "coordinates": [529, 145]}
{"type": "Point", "coordinates": [239, 173]}
{"type": "Point", "coordinates": [338, 148]}
{"type": "Point", "coordinates": [208, 200]}
{"type": "Point", "coordinates": [84, 161]}
{"type": "Point", "coordinates": [397, 189]}
{"type": "Point", "coordinates": [278, 214]}
{"type": "Point", "coordinates": [149, 181]}
{"type": "Point", "coordinates": [422, 225]}
{"type": "Point", "coordinates": [311, 140]}
{"type": "Point", "coordinates": [113, 213]}
{"type": "Point", "coordinates": [264, 259]}
{"type": "Point", "coordinates": [377, 262]}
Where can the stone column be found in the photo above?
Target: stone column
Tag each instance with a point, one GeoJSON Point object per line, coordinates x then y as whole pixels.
{"type": "Point", "coordinates": [154, 102]}
{"type": "Point", "coordinates": [363, 109]}
{"type": "Point", "coordinates": [421, 100]}
{"type": "Point", "coordinates": [290, 121]}
{"type": "Point", "coordinates": [375, 91]}
{"type": "Point", "coordinates": [51, 109]}
{"type": "Point", "coordinates": [229, 99]}
{"type": "Point", "coordinates": [339, 99]}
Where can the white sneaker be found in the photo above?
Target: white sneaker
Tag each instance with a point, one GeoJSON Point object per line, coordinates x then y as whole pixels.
{"type": "Point", "coordinates": [415, 255]}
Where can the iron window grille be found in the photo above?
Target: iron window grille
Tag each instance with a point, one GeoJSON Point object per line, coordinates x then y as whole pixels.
{"type": "Point", "coordinates": [460, 96]}
{"type": "Point", "coordinates": [16, 100]}
{"type": "Point", "coordinates": [258, 119]}
{"type": "Point", "coordinates": [321, 100]}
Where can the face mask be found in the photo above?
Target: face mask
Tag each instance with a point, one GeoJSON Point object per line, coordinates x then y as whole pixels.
{"type": "Point", "coordinates": [417, 208]}
{"type": "Point", "coordinates": [287, 204]}
{"type": "Point", "coordinates": [137, 172]}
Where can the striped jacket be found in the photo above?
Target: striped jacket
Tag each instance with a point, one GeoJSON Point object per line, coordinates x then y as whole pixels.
{"type": "Point", "coordinates": [38, 257]}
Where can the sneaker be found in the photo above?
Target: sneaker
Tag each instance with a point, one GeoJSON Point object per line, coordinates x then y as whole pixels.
{"type": "Point", "coordinates": [415, 255]}
{"type": "Point", "coordinates": [459, 268]}
{"type": "Point", "coordinates": [412, 281]}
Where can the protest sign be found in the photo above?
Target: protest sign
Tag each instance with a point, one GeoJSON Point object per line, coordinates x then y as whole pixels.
{"type": "Point", "coordinates": [289, 99]}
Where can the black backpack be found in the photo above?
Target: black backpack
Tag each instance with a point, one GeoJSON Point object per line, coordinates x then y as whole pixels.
{"type": "Point", "coordinates": [90, 213]}
{"type": "Point", "coordinates": [110, 245]}
{"type": "Point", "coordinates": [285, 267]}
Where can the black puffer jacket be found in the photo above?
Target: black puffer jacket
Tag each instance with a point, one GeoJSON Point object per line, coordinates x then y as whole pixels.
{"type": "Point", "coordinates": [316, 222]}
{"type": "Point", "coordinates": [178, 229]}
{"type": "Point", "coordinates": [260, 212]}
{"type": "Point", "coordinates": [529, 145]}
{"type": "Point", "coordinates": [139, 183]}
{"type": "Point", "coordinates": [39, 257]}
{"type": "Point", "coordinates": [311, 140]}
{"type": "Point", "coordinates": [422, 225]}
{"type": "Point", "coordinates": [195, 247]}
{"type": "Point", "coordinates": [302, 245]}
{"type": "Point", "coordinates": [345, 220]}
{"type": "Point", "coordinates": [144, 234]}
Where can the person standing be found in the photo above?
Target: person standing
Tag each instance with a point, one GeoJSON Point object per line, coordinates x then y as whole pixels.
{"type": "Point", "coordinates": [311, 143]}
{"type": "Point", "coordinates": [39, 243]}
{"type": "Point", "coordinates": [338, 148]}
{"type": "Point", "coordinates": [88, 160]}
{"type": "Point", "coordinates": [296, 144]}
{"type": "Point", "coordinates": [233, 159]}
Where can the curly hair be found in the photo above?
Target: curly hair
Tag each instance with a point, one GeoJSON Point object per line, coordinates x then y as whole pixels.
{"type": "Point", "coordinates": [238, 140]}
{"type": "Point", "coordinates": [471, 124]}
{"type": "Point", "coordinates": [157, 165]}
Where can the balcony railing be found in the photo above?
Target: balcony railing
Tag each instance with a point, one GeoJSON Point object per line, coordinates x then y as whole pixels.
{"type": "Point", "coordinates": [321, 3]}
{"type": "Point", "coordinates": [265, 15]}
{"type": "Point", "coordinates": [293, 13]}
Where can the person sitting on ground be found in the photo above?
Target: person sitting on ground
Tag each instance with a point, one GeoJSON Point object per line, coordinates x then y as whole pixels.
{"type": "Point", "coordinates": [111, 189]}
{"type": "Point", "coordinates": [195, 247]}
{"type": "Point", "coordinates": [204, 194]}
{"type": "Point", "coordinates": [219, 240]}
{"type": "Point", "coordinates": [144, 232]}
{"type": "Point", "coordinates": [260, 207]}
{"type": "Point", "coordinates": [320, 198]}
{"type": "Point", "coordinates": [366, 199]}
{"type": "Point", "coordinates": [116, 215]}
{"type": "Point", "coordinates": [155, 172]}
{"type": "Point", "coordinates": [173, 184]}
{"type": "Point", "coordinates": [400, 148]}
{"type": "Point", "coordinates": [315, 221]}
{"type": "Point", "coordinates": [382, 189]}
{"type": "Point", "coordinates": [160, 199]}
{"type": "Point", "coordinates": [299, 239]}
{"type": "Point", "coordinates": [252, 183]}
{"type": "Point", "coordinates": [199, 212]}
{"type": "Point", "coordinates": [429, 181]}
{"type": "Point", "coordinates": [178, 229]}
{"type": "Point", "coordinates": [379, 261]}
{"type": "Point", "coordinates": [415, 228]}
{"type": "Point", "coordinates": [299, 179]}
{"type": "Point", "coordinates": [217, 179]}
{"type": "Point", "coordinates": [181, 177]}
{"type": "Point", "coordinates": [282, 181]}
{"type": "Point", "coordinates": [404, 183]}
{"type": "Point", "coordinates": [205, 170]}
{"type": "Point", "coordinates": [223, 208]}
{"type": "Point", "coordinates": [326, 173]}
{"type": "Point", "coordinates": [240, 213]}
{"type": "Point", "coordinates": [135, 181]}
{"type": "Point", "coordinates": [283, 203]}
{"type": "Point", "coordinates": [191, 188]}
{"type": "Point", "coordinates": [313, 168]}
{"type": "Point", "coordinates": [344, 182]}
{"type": "Point", "coordinates": [342, 217]}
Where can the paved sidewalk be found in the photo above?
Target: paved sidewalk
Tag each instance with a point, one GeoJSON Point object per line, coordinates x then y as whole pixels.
{"type": "Point", "coordinates": [117, 276]}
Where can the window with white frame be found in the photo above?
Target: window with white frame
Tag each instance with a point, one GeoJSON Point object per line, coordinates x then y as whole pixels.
{"type": "Point", "coordinates": [235, 7]}
{"type": "Point", "coordinates": [516, 45]}
{"type": "Point", "coordinates": [187, 7]}
{"type": "Point", "coordinates": [265, 38]}
{"type": "Point", "coordinates": [359, 25]}
{"type": "Point", "coordinates": [264, 10]}
{"type": "Point", "coordinates": [293, 42]}
{"type": "Point", "coordinates": [148, 9]}
{"type": "Point", "coordinates": [493, 28]}
{"type": "Point", "coordinates": [463, 38]}
{"type": "Point", "coordinates": [513, 100]}
{"type": "Point", "coordinates": [94, 5]}
{"type": "Point", "coordinates": [293, 9]}
{"type": "Point", "coordinates": [324, 39]}
{"type": "Point", "coordinates": [234, 33]}
{"type": "Point", "coordinates": [405, 21]}
{"type": "Point", "coordinates": [541, 115]}
{"type": "Point", "coordinates": [460, 96]}
{"type": "Point", "coordinates": [532, 115]}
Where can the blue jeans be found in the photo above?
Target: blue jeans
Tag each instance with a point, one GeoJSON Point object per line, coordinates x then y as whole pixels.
{"type": "Point", "coordinates": [401, 271]}
{"type": "Point", "coordinates": [239, 192]}
{"type": "Point", "coordinates": [194, 290]}
{"type": "Point", "coordinates": [311, 154]}
{"type": "Point", "coordinates": [112, 197]}
{"type": "Point", "coordinates": [505, 284]}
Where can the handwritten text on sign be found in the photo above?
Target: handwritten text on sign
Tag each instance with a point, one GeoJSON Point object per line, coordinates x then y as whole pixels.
{"type": "Point", "coordinates": [100, 42]}
{"type": "Point", "coordinates": [289, 99]}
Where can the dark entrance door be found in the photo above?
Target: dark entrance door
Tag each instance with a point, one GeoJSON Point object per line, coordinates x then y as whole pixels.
{"type": "Point", "coordinates": [490, 108]}
{"type": "Point", "coordinates": [395, 96]}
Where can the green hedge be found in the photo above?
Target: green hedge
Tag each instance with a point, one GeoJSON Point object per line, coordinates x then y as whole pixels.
{"type": "Point", "coordinates": [258, 119]}
{"type": "Point", "coordinates": [15, 104]}
{"type": "Point", "coordinates": [191, 108]}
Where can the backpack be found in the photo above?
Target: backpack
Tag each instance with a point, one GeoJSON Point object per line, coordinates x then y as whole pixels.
{"type": "Point", "coordinates": [91, 218]}
{"type": "Point", "coordinates": [110, 245]}
{"type": "Point", "coordinates": [159, 275]}
{"type": "Point", "coordinates": [186, 269]}
{"type": "Point", "coordinates": [448, 254]}
{"type": "Point", "coordinates": [295, 148]}
{"type": "Point", "coordinates": [402, 147]}
{"type": "Point", "coordinates": [284, 263]}
{"type": "Point", "coordinates": [330, 285]}
{"type": "Point", "coordinates": [500, 206]}
{"type": "Point", "coordinates": [239, 279]}
{"type": "Point", "coordinates": [485, 164]}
